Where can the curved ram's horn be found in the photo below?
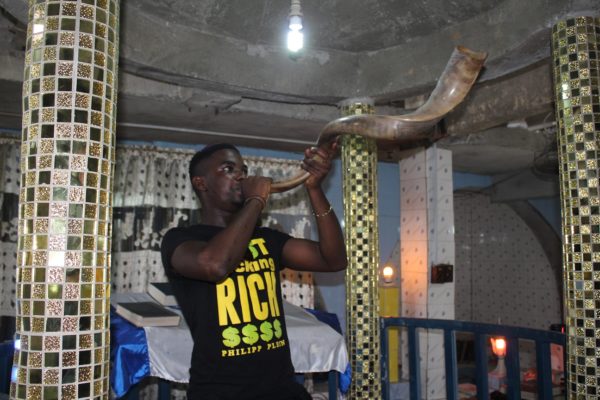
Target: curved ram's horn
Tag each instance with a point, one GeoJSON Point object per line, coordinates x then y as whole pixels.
{"type": "Point", "coordinates": [452, 87]}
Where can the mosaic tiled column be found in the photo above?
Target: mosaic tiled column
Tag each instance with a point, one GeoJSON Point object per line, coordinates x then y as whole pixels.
{"type": "Point", "coordinates": [576, 81]}
{"type": "Point", "coordinates": [67, 157]}
{"type": "Point", "coordinates": [359, 169]}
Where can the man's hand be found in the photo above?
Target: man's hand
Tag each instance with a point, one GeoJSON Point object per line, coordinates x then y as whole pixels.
{"type": "Point", "coordinates": [256, 186]}
{"type": "Point", "coordinates": [317, 161]}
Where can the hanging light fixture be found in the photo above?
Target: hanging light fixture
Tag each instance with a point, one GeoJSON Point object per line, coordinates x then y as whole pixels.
{"type": "Point", "coordinates": [295, 37]}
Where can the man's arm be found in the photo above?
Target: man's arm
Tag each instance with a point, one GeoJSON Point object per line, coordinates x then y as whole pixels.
{"type": "Point", "coordinates": [212, 261]}
{"type": "Point", "coordinates": [329, 253]}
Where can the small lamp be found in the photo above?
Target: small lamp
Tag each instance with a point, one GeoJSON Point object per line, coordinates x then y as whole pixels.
{"type": "Point", "coordinates": [388, 274]}
{"type": "Point", "coordinates": [295, 37]}
{"type": "Point", "coordinates": [499, 349]}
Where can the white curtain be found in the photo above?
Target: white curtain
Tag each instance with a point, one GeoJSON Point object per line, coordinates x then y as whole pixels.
{"type": "Point", "coordinates": [9, 222]}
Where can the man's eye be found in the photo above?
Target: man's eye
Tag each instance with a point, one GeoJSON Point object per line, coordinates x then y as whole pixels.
{"type": "Point", "coordinates": [228, 169]}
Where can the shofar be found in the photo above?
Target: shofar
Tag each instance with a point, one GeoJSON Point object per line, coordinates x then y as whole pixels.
{"type": "Point", "coordinates": [451, 89]}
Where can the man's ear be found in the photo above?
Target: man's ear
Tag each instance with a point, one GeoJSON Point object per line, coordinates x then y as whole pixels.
{"type": "Point", "coordinates": [199, 183]}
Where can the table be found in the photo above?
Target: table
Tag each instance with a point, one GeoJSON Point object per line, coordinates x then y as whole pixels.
{"type": "Point", "coordinates": [165, 352]}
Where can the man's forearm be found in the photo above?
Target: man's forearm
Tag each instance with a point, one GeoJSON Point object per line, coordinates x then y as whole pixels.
{"type": "Point", "coordinates": [226, 249]}
{"type": "Point", "coordinates": [331, 238]}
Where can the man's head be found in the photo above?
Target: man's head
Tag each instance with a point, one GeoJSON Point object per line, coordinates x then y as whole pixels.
{"type": "Point", "coordinates": [196, 163]}
{"type": "Point", "coordinates": [216, 174]}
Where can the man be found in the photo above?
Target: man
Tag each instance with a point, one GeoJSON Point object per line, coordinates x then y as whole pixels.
{"type": "Point", "coordinates": [225, 276]}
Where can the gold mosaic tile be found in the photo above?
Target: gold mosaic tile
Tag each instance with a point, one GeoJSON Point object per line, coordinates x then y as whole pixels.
{"type": "Point", "coordinates": [71, 324]}
{"type": "Point", "coordinates": [69, 358]}
{"type": "Point", "coordinates": [65, 69]}
{"type": "Point", "coordinates": [101, 31]}
{"type": "Point", "coordinates": [85, 307]}
{"type": "Point", "coordinates": [67, 39]}
{"type": "Point", "coordinates": [86, 41]}
{"type": "Point", "coordinates": [71, 292]}
{"type": "Point", "coordinates": [64, 100]}
{"type": "Point", "coordinates": [86, 12]}
{"type": "Point", "coordinates": [99, 60]}
{"type": "Point", "coordinates": [52, 24]}
{"type": "Point", "coordinates": [69, 392]}
{"type": "Point", "coordinates": [55, 308]}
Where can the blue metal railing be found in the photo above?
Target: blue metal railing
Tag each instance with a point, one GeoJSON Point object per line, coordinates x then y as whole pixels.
{"type": "Point", "coordinates": [481, 332]}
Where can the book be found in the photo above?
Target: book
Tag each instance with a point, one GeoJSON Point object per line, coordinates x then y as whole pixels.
{"type": "Point", "coordinates": [163, 293]}
{"type": "Point", "coordinates": [147, 313]}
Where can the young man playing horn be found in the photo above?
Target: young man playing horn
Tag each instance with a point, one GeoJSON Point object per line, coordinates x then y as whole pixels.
{"type": "Point", "coordinates": [225, 276]}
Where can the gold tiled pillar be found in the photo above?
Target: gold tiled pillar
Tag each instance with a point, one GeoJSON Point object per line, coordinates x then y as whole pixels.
{"type": "Point", "coordinates": [359, 163]}
{"type": "Point", "coordinates": [65, 210]}
{"type": "Point", "coordinates": [576, 76]}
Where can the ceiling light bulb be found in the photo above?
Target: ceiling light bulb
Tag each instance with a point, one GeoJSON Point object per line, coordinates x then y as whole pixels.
{"type": "Point", "coordinates": [295, 38]}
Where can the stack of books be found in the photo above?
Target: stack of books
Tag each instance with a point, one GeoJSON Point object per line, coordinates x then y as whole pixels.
{"type": "Point", "coordinates": [151, 313]}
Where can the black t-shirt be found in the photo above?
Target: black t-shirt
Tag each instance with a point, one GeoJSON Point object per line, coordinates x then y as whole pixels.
{"type": "Point", "coordinates": [238, 326]}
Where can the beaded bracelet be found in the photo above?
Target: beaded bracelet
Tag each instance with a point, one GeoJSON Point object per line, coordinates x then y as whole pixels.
{"type": "Point", "coordinates": [324, 213]}
{"type": "Point", "coordinates": [260, 199]}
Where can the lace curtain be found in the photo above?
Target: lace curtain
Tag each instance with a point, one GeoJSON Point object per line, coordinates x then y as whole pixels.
{"type": "Point", "coordinates": [9, 219]}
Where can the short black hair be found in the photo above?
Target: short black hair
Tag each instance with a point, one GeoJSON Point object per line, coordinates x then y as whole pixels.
{"type": "Point", "coordinates": [206, 152]}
